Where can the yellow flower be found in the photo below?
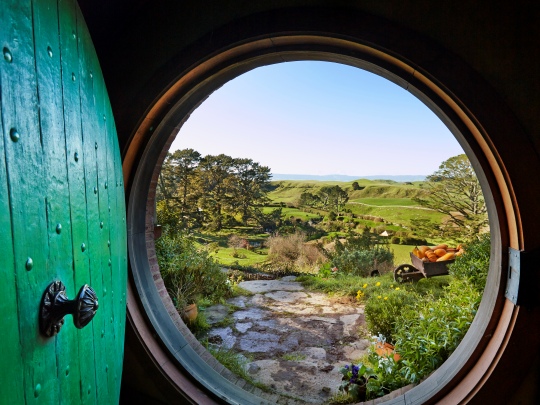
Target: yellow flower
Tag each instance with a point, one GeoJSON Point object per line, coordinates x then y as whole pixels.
{"type": "Point", "coordinates": [392, 286]}
{"type": "Point", "coordinates": [385, 298]}
{"type": "Point", "coordinates": [379, 297]}
{"type": "Point", "coordinates": [364, 286]}
{"type": "Point", "coordinates": [378, 283]}
{"type": "Point", "coordinates": [397, 288]}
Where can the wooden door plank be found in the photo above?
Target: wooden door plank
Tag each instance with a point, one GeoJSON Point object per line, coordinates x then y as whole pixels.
{"type": "Point", "coordinates": [12, 377]}
{"type": "Point", "coordinates": [24, 160]}
{"type": "Point", "coordinates": [95, 128]}
{"type": "Point", "coordinates": [89, 124]}
{"type": "Point", "coordinates": [116, 271]}
{"type": "Point", "coordinates": [60, 260]}
{"type": "Point", "coordinates": [77, 188]}
{"type": "Point", "coordinates": [118, 236]}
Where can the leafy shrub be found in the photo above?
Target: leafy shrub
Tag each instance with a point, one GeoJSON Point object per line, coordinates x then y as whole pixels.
{"type": "Point", "coordinates": [426, 331]}
{"type": "Point", "coordinates": [388, 377]}
{"type": "Point", "coordinates": [326, 270]}
{"type": "Point", "coordinates": [395, 240]}
{"type": "Point", "coordinates": [187, 272]}
{"type": "Point", "coordinates": [412, 240]}
{"type": "Point", "coordinates": [212, 247]}
{"type": "Point", "coordinates": [474, 264]}
{"type": "Point", "coordinates": [360, 254]}
{"type": "Point", "coordinates": [429, 332]}
{"type": "Point", "coordinates": [362, 262]}
{"type": "Point", "coordinates": [383, 311]}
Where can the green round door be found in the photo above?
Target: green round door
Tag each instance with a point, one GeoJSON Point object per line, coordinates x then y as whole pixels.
{"type": "Point", "coordinates": [62, 213]}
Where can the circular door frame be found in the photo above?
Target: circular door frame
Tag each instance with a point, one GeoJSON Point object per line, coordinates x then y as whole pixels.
{"type": "Point", "coordinates": [468, 113]}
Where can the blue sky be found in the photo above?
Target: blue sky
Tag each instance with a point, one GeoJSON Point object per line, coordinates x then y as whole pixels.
{"type": "Point", "coordinates": [320, 118]}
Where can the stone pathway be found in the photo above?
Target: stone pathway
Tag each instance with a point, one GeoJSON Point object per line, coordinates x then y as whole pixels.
{"type": "Point", "coordinates": [299, 340]}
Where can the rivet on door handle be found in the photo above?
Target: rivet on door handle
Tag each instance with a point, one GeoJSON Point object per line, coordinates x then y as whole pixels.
{"type": "Point", "coordinates": [55, 305]}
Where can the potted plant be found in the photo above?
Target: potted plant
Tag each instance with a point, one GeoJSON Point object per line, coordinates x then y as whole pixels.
{"type": "Point", "coordinates": [184, 296]}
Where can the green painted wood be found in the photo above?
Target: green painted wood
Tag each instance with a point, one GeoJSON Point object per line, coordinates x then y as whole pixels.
{"type": "Point", "coordinates": [90, 115]}
{"type": "Point", "coordinates": [11, 379]}
{"type": "Point", "coordinates": [76, 182]}
{"type": "Point", "coordinates": [63, 199]}
{"type": "Point", "coordinates": [117, 236]}
{"type": "Point", "coordinates": [103, 203]}
{"type": "Point", "coordinates": [60, 260]}
{"type": "Point", "coordinates": [24, 161]}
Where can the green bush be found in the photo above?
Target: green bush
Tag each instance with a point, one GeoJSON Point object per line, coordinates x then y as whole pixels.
{"type": "Point", "coordinates": [189, 273]}
{"type": "Point", "coordinates": [362, 262]}
{"type": "Point", "coordinates": [473, 265]}
{"type": "Point", "coordinates": [383, 311]}
{"type": "Point", "coordinates": [428, 332]}
{"type": "Point", "coordinates": [412, 240]}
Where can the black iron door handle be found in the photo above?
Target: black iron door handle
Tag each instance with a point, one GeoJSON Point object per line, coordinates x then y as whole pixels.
{"type": "Point", "coordinates": [55, 305]}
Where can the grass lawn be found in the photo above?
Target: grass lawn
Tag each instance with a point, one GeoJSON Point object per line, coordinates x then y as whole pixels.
{"type": "Point", "coordinates": [246, 257]}
{"type": "Point", "coordinates": [287, 212]}
{"type": "Point", "coordinates": [343, 285]}
{"type": "Point", "coordinates": [401, 253]}
{"type": "Point", "coordinates": [399, 215]}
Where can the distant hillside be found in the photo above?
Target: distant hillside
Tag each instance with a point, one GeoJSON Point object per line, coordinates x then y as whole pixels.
{"type": "Point", "coordinates": [341, 177]}
{"type": "Point", "coordinates": [290, 190]}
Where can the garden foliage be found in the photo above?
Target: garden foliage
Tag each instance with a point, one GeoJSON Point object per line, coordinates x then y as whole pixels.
{"type": "Point", "coordinates": [473, 266]}
{"type": "Point", "coordinates": [383, 311]}
{"type": "Point", "coordinates": [189, 273]}
{"type": "Point", "coordinates": [360, 254]}
{"type": "Point", "coordinates": [427, 329]}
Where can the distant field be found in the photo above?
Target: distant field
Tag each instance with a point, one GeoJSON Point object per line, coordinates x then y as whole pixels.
{"type": "Point", "coordinates": [401, 254]}
{"type": "Point", "coordinates": [386, 201]}
{"type": "Point", "coordinates": [292, 212]}
{"type": "Point", "coordinates": [399, 215]}
{"type": "Point", "coordinates": [290, 190]}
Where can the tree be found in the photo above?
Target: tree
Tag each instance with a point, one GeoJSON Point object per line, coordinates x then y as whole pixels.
{"type": "Point", "coordinates": [249, 188]}
{"type": "Point", "coordinates": [333, 197]}
{"type": "Point", "coordinates": [309, 200]}
{"type": "Point", "coordinates": [269, 222]}
{"type": "Point", "coordinates": [339, 198]}
{"type": "Point", "coordinates": [215, 184]}
{"type": "Point", "coordinates": [455, 191]}
{"type": "Point", "coordinates": [176, 185]}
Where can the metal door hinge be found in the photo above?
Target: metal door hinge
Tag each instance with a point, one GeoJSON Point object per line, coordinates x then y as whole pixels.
{"type": "Point", "coordinates": [523, 277]}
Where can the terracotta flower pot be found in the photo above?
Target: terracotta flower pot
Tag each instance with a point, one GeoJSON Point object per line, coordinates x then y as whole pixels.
{"type": "Point", "coordinates": [386, 349]}
{"type": "Point", "coordinates": [190, 312]}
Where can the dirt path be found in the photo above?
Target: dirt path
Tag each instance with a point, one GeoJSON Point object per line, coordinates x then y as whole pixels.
{"type": "Point", "coordinates": [298, 339]}
{"type": "Point", "coordinates": [416, 207]}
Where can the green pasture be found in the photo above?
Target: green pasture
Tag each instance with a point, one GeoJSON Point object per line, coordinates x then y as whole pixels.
{"type": "Point", "coordinates": [399, 215]}
{"type": "Point", "coordinates": [401, 253]}
{"type": "Point", "coordinates": [287, 212]}
{"type": "Point", "coordinates": [289, 191]}
{"type": "Point", "coordinates": [245, 257]}
{"type": "Point", "coordinates": [384, 202]}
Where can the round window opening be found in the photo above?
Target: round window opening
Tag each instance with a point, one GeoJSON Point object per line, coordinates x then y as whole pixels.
{"type": "Point", "coordinates": [405, 263]}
